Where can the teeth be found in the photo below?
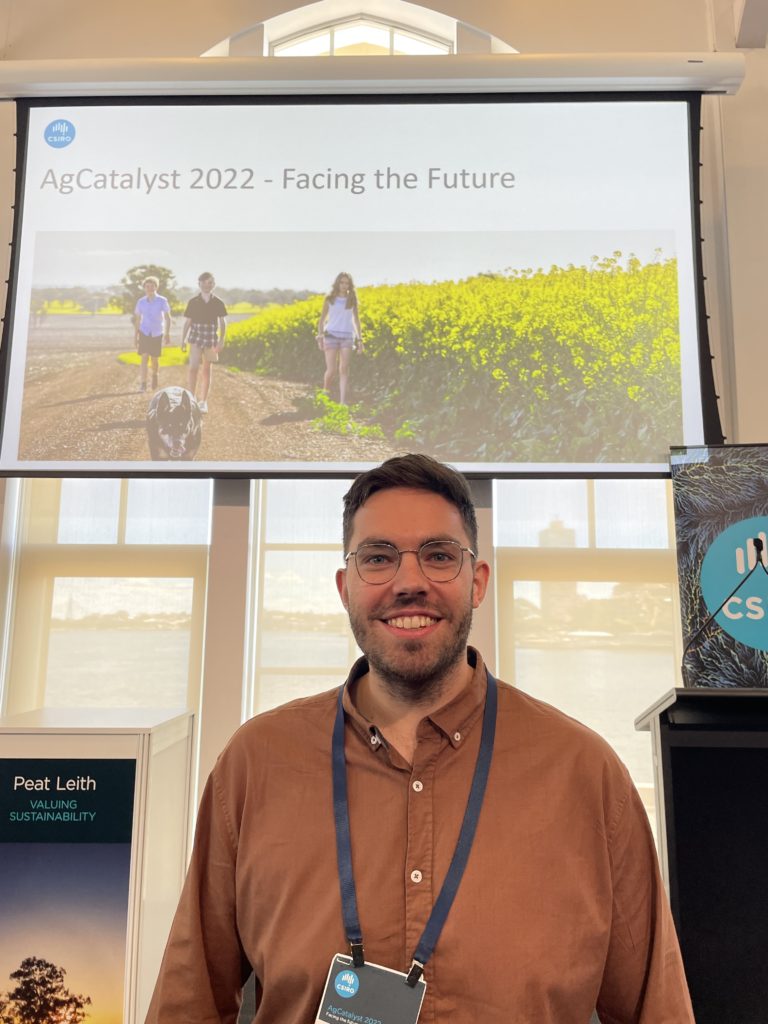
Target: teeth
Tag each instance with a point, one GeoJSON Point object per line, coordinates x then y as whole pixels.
{"type": "Point", "coordinates": [412, 622]}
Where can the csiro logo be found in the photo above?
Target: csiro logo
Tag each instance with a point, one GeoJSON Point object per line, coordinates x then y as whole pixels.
{"type": "Point", "coordinates": [730, 556]}
{"type": "Point", "coordinates": [59, 133]}
{"type": "Point", "coordinates": [346, 984]}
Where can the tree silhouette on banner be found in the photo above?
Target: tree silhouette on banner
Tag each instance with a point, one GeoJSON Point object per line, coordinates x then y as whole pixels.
{"type": "Point", "coordinates": [40, 996]}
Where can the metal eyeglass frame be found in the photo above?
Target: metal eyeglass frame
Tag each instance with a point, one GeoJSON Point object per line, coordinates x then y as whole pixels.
{"type": "Point", "coordinates": [409, 551]}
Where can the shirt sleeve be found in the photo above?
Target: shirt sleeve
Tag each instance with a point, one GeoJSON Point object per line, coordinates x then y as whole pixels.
{"type": "Point", "coordinates": [644, 981]}
{"type": "Point", "coordinates": [204, 967]}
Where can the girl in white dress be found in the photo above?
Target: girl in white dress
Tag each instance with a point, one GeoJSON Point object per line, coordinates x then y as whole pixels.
{"type": "Point", "coordinates": [338, 332]}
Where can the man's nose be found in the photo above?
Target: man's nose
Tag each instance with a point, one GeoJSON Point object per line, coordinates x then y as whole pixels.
{"type": "Point", "coordinates": [409, 575]}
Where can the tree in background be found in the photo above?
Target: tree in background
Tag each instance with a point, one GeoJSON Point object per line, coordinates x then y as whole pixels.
{"type": "Point", "coordinates": [263, 296]}
{"type": "Point", "coordinates": [40, 996]}
{"type": "Point", "coordinates": [133, 289]}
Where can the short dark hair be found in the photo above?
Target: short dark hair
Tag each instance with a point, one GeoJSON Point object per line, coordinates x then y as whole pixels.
{"type": "Point", "coordinates": [419, 472]}
{"type": "Point", "coordinates": [206, 276]}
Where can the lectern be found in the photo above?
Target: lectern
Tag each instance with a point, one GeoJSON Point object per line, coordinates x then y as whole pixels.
{"type": "Point", "coordinates": [710, 749]}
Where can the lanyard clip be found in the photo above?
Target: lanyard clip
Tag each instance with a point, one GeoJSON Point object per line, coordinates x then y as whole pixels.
{"type": "Point", "coordinates": [358, 954]}
{"type": "Point", "coordinates": [415, 973]}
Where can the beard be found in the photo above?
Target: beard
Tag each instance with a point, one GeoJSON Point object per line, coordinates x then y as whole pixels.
{"type": "Point", "coordinates": [412, 674]}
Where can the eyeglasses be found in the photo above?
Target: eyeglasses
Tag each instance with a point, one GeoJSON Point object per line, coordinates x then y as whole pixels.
{"type": "Point", "coordinates": [439, 560]}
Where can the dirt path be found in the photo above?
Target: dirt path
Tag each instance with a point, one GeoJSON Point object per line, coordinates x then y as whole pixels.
{"type": "Point", "coordinates": [85, 406]}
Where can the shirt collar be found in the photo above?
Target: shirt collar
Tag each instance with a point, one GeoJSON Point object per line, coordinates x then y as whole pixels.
{"type": "Point", "coordinates": [455, 720]}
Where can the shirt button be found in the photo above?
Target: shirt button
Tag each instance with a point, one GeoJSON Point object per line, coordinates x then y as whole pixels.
{"type": "Point", "coordinates": [417, 786]}
{"type": "Point", "coordinates": [416, 876]}
{"type": "Point", "coordinates": [374, 740]}
{"type": "Point", "coordinates": [457, 737]}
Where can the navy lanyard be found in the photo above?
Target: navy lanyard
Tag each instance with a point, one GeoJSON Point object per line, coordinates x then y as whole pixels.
{"type": "Point", "coordinates": [444, 902]}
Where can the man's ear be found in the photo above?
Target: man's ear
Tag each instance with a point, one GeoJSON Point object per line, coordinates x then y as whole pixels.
{"type": "Point", "coordinates": [341, 586]}
{"type": "Point", "coordinates": [481, 574]}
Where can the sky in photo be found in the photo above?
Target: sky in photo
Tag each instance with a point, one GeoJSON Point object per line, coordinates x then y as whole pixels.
{"type": "Point", "coordinates": [311, 260]}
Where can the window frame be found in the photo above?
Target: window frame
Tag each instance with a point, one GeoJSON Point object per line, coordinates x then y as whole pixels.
{"type": "Point", "coordinates": [331, 27]}
{"type": "Point", "coordinates": [40, 560]}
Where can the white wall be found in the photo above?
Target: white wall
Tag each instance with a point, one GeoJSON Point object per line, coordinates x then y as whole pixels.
{"type": "Point", "coordinates": [736, 162]}
{"type": "Point", "coordinates": [92, 28]}
{"type": "Point", "coordinates": [745, 136]}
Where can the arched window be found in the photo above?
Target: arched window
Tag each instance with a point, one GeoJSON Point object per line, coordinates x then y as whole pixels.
{"type": "Point", "coordinates": [358, 28]}
{"type": "Point", "coordinates": [358, 37]}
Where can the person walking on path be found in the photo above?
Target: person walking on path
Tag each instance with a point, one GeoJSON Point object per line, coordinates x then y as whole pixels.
{"type": "Point", "coordinates": [205, 327]}
{"type": "Point", "coordinates": [152, 324]}
{"type": "Point", "coordinates": [337, 332]}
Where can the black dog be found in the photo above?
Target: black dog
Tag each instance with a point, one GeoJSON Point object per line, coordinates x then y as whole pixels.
{"type": "Point", "coordinates": [174, 425]}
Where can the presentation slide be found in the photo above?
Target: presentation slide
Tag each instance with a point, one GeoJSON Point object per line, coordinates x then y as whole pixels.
{"type": "Point", "coordinates": [288, 287]}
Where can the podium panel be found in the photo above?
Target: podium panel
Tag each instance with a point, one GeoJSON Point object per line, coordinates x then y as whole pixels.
{"type": "Point", "coordinates": [711, 752]}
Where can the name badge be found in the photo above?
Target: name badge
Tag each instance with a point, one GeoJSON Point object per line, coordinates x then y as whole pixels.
{"type": "Point", "coordinates": [368, 995]}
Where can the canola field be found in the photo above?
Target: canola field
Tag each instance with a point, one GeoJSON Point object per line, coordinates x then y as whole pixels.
{"type": "Point", "coordinates": [569, 364]}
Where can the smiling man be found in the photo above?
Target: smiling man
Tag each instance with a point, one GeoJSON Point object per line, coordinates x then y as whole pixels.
{"type": "Point", "coordinates": [423, 843]}
{"type": "Point", "coordinates": [409, 590]}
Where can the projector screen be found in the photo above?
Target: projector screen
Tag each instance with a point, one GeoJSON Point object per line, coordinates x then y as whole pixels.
{"type": "Point", "coordinates": [521, 273]}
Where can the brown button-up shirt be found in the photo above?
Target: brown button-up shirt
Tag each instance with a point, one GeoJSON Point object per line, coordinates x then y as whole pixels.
{"type": "Point", "coordinates": [561, 907]}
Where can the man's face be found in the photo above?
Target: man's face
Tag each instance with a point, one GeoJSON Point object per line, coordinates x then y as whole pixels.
{"type": "Point", "coordinates": [412, 630]}
{"type": "Point", "coordinates": [149, 289]}
{"type": "Point", "coordinates": [206, 284]}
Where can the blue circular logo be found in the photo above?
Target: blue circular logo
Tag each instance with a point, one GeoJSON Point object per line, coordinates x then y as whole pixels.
{"type": "Point", "coordinates": [59, 133]}
{"type": "Point", "coordinates": [346, 984]}
{"type": "Point", "coordinates": [729, 558]}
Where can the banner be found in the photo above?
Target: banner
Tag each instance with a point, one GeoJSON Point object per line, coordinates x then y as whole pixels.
{"type": "Point", "coordinates": [65, 857]}
{"type": "Point", "coordinates": [721, 523]}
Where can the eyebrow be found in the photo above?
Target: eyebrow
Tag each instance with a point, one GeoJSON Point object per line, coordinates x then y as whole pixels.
{"type": "Point", "coordinates": [426, 540]}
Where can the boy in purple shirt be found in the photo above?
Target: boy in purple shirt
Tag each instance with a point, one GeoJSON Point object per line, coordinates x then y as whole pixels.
{"type": "Point", "coordinates": [152, 323]}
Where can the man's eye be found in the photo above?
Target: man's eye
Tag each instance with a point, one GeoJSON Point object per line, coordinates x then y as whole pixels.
{"type": "Point", "coordinates": [377, 558]}
{"type": "Point", "coordinates": [440, 555]}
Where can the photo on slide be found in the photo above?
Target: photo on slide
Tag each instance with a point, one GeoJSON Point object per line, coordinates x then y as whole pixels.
{"type": "Point", "coordinates": [478, 347]}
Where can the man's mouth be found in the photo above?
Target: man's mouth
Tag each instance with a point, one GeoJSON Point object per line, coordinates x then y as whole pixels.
{"type": "Point", "coordinates": [411, 621]}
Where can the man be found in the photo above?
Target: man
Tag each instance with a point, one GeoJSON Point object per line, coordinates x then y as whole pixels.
{"type": "Point", "coordinates": [560, 907]}
{"type": "Point", "coordinates": [205, 328]}
{"type": "Point", "coordinates": [152, 323]}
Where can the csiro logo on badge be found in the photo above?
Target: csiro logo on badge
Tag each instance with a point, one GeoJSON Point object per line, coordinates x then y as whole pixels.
{"type": "Point", "coordinates": [59, 133]}
{"type": "Point", "coordinates": [729, 558]}
{"type": "Point", "coordinates": [346, 984]}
